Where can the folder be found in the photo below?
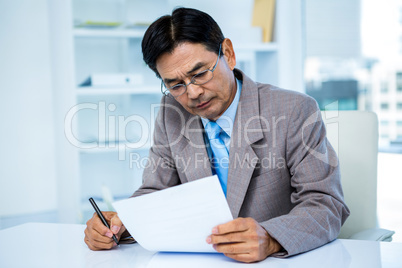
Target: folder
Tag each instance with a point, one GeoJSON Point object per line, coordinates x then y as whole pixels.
{"type": "Point", "coordinates": [263, 16]}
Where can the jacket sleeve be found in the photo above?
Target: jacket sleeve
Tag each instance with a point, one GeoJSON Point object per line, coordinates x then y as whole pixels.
{"type": "Point", "coordinates": [160, 171]}
{"type": "Point", "coordinates": [318, 206]}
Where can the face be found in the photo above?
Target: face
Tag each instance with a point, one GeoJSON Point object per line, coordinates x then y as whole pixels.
{"type": "Point", "coordinates": [211, 99]}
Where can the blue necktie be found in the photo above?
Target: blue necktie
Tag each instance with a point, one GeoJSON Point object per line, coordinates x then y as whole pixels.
{"type": "Point", "coordinates": [220, 154]}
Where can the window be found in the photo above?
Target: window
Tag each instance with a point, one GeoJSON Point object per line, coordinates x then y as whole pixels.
{"type": "Point", "coordinates": [384, 87]}
{"type": "Point", "coordinates": [384, 136]}
{"type": "Point", "coordinates": [350, 61]}
{"type": "Point", "coordinates": [400, 16]}
{"type": "Point", "coordinates": [400, 44]}
{"type": "Point", "coordinates": [399, 106]}
{"type": "Point", "coordinates": [399, 82]}
{"type": "Point", "coordinates": [384, 123]}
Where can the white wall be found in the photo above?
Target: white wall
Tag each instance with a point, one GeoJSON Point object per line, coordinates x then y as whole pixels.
{"type": "Point", "coordinates": [27, 164]}
{"type": "Point", "coordinates": [63, 84]}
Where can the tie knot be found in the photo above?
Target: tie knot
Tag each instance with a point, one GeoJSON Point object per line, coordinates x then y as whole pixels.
{"type": "Point", "coordinates": [213, 130]}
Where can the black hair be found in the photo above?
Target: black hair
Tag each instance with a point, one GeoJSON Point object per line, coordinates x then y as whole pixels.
{"type": "Point", "coordinates": [184, 25]}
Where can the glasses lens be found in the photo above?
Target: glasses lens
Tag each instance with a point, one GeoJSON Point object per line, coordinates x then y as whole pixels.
{"type": "Point", "coordinates": [202, 78]}
{"type": "Point", "coordinates": [177, 90]}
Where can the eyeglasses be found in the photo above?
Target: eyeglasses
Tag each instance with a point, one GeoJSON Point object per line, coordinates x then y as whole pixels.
{"type": "Point", "coordinates": [197, 79]}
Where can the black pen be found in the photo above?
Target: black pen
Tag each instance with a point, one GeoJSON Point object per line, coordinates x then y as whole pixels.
{"type": "Point", "coordinates": [102, 217]}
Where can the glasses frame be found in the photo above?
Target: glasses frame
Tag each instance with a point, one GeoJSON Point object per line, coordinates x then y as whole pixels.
{"type": "Point", "coordinates": [166, 90]}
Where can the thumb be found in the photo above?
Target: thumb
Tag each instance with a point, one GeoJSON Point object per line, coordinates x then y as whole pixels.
{"type": "Point", "coordinates": [116, 225]}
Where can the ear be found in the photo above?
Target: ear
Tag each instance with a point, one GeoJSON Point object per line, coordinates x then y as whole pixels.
{"type": "Point", "coordinates": [228, 53]}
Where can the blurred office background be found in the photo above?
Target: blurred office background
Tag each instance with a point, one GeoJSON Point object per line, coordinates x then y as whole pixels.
{"type": "Point", "coordinates": [63, 140]}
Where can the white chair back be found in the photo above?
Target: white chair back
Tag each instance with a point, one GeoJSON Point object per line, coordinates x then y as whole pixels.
{"type": "Point", "coordinates": [354, 136]}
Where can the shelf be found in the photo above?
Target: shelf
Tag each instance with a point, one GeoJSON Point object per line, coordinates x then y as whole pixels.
{"type": "Point", "coordinates": [118, 33]}
{"type": "Point", "coordinates": [93, 91]}
{"type": "Point", "coordinates": [139, 33]}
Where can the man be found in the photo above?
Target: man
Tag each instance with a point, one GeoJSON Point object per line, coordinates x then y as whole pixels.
{"type": "Point", "coordinates": [281, 176]}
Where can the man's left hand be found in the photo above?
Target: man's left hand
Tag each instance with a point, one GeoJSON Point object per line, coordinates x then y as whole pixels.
{"type": "Point", "coordinates": [244, 240]}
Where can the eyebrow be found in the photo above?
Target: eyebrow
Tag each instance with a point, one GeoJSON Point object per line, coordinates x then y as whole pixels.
{"type": "Point", "coordinates": [198, 66]}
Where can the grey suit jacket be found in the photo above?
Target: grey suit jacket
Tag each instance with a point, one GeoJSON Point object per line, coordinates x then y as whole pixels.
{"type": "Point", "coordinates": [283, 172]}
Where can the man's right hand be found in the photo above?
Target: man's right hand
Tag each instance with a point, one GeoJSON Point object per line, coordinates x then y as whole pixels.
{"type": "Point", "coordinates": [98, 236]}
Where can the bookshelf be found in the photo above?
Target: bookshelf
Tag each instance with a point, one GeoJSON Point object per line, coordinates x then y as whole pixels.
{"type": "Point", "coordinates": [95, 91]}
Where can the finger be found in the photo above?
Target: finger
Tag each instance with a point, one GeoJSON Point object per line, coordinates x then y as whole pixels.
{"type": "Point", "coordinates": [116, 226]}
{"type": "Point", "coordinates": [103, 235]}
{"type": "Point", "coordinates": [96, 237]}
{"type": "Point", "coordinates": [94, 245]}
{"type": "Point", "coordinates": [237, 225]}
{"type": "Point", "coordinates": [227, 238]}
{"type": "Point", "coordinates": [233, 248]}
{"type": "Point", "coordinates": [242, 257]}
{"type": "Point", "coordinates": [109, 215]}
{"type": "Point", "coordinates": [97, 225]}
{"type": "Point", "coordinates": [90, 246]}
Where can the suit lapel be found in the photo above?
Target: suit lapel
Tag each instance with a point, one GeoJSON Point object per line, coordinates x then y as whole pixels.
{"type": "Point", "coordinates": [195, 151]}
{"type": "Point", "coordinates": [242, 156]}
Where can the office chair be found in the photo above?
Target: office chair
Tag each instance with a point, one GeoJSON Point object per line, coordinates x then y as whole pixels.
{"type": "Point", "coordinates": [354, 136]}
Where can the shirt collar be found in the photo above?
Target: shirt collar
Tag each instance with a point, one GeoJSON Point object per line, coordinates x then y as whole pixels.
{"type": "Point", "coordinates": [226, 120]}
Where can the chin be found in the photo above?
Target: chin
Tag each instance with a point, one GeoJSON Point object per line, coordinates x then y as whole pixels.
{"type": "Point", "coordinates": [210, 114]}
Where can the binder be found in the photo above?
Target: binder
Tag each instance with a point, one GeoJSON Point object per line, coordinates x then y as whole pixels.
{"type": "Point", "coordinates": [263, 16]}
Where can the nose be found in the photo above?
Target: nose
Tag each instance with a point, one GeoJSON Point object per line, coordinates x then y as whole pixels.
{"type": "Point", "coordinates": [194, 91]}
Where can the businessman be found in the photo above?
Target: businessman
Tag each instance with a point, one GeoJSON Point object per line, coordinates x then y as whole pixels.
{"type": "Point", "coordinates": [267, 145]}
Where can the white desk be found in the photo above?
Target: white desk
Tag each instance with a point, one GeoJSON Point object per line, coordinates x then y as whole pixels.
{"type": "Point", "coordinates": [62, 245]}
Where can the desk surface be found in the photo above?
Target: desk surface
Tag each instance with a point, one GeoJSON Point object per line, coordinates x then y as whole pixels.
{"type": "Point", "coordinates": [62, 245]}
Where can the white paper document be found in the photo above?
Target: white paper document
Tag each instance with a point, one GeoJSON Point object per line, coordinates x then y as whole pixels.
{"type": "Point", "coordinates": [177, 219]}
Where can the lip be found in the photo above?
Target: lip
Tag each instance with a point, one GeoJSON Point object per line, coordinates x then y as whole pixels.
{"type": "Point", "coordinates": [203, 105]}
